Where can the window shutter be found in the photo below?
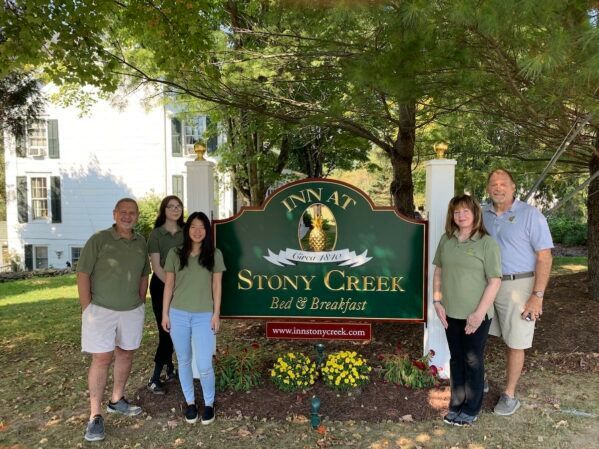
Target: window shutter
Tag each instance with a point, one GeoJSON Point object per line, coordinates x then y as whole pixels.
{"type": "Point", "coordinates": [177, 149]}
{"type": "Point", "coordinates": [29, 257]}
{"type": "Point", "coordinates": [178, 187]}
{"type": "Point", "coordinates": [53, 147]}
{"type": "Point", "coordinates": [20, 146]}
{"type": "Point", "coordinates": [212, 142]}
{"type": "Point", "coordinates": [22, 199]}
{"type": "Point", "coordinates": [55, 203]}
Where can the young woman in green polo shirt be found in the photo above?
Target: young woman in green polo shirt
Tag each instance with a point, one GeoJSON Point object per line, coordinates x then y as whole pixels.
{"type": "Point", "coordinates": [466, 280]}
{"type": "Point", "coordinates": [167, 234]}
{"type": "Point", "coordinates": [191, 309]}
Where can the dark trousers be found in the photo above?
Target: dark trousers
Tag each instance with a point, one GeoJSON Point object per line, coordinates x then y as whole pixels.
{"type": "Point", "coordinates": [467, 366]}
{"type": "Point", "coordinates": [164, 352]}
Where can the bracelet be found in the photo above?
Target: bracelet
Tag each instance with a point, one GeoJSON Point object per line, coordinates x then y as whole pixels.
{"type": "Point", "coordinates": [437, 302]}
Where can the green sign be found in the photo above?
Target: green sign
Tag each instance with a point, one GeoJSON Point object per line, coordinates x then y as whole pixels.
{"type": "Point", "coordinates": [321, 249]}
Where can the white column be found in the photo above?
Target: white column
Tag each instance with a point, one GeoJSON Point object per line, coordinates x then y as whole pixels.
{"type": "Point", "coordinates": [200, 187]}
{"type": "Point", "coordinates": [440, 176]}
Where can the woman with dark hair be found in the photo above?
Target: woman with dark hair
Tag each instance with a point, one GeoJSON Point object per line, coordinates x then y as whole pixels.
{"type": "Point", "coordinates": [191, 309]}
{"type": "Point", "coordinates": [466, 280]}
{"type": "Point", "coordinates": [167, 234]}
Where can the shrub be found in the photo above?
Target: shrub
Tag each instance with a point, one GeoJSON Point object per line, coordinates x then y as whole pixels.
{"type": "Point", "coordinates": [148, 211]}
{"type": "Point", "coordinates": [419, 373]}
{"type": "Point", "coordinates": [236, 371]}
{"type": "Point", "coordinates": [568, 231]}
{"type": "Point", "coordinates": [344, 370]}
{"type": "Point", "coordinates": [293, 371]}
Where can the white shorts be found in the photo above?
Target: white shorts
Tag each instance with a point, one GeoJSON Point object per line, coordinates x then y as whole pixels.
{"type": "Point", "coordinates": [103, 329]}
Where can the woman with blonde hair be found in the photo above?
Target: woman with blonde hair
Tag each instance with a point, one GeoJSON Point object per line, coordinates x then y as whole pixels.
{"type": "Point", "coordinates": [466, 280]}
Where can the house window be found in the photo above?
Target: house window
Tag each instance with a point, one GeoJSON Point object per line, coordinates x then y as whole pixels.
{"type": "Point", "coordinates": [178, 186]}
{"type": "Point", "coordinates": [39, 198]}
{"type": "Point", "coordinates": [40, 254]}
{"type": "Point", "coordinates": [75, 254]}
{"type": "Point", "coordinates": [193, 130]}
{"type": "Point", "coordinates": [37, 138]}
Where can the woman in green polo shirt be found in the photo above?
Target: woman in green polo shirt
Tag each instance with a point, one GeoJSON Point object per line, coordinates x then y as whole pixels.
{"type": "Point", "coordinates": [466, 280]}
{"type": "Point", "coordinates": [191, 309]}
{"type": "Point", "coordinates": [167, 234]}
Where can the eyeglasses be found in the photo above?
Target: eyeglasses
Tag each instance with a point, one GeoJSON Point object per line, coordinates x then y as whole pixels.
{"type": "Point", "coordinates": [174, 207]}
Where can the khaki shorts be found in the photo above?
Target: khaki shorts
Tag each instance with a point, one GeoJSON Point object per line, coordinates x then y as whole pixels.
{"type": "Point", "coordinates": [517, 333]}
{"type": "Point", "coordinates": [103, 329]}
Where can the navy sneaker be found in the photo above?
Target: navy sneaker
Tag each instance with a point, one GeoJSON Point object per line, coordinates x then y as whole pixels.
{"type": "Point", "coordinates": [124, 407]}
{"type": "Point", "coordinates": [95, 429]}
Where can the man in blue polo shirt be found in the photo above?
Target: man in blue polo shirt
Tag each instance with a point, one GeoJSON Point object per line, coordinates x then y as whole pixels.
{"type": "Point", "coordinates": [525, 243]}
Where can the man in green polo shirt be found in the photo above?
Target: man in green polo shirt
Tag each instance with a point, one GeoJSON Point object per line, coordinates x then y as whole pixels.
{"type": "Point", "coordinates": [112, 280]}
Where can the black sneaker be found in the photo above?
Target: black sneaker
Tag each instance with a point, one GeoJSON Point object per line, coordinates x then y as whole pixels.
{"type": "Point", "coordinates": [450, 417]}
{"type": "Point", "coordinates": [464, 420]}
{"type": "Point", "coordinates": [156, 387]}
{"type": "Point", "coordinates": [95, 429]}
{"type": "Point", "coordinates": [208, 415]}
{"type": "Point", "coordinates": [171, 375]}
{"type": "Point", "coordinates": [191, 413]}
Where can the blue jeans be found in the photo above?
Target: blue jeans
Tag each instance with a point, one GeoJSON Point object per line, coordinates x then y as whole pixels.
{"type": "Point", "coordinates": [186, 326]}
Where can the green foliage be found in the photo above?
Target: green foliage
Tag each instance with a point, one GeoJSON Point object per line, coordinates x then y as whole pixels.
{"type": "Point", "coordinates": [293, 372]}
{"type": "Point", "coordinates": [568, 231]}
{"type": "Point", "coordinates": [237, 370]}
{"type": "Point", "coordinates": [344, 370]}
{"type": "Point", "coordinates": [401, 370]}
{"type": "Point", "coordinates": [148, 211]}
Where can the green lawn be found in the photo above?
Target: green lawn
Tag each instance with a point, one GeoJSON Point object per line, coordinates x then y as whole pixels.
{"type": "Point", "coordinates": [566, 265]}
{"type": "Point", "coordinates": [44, 399]}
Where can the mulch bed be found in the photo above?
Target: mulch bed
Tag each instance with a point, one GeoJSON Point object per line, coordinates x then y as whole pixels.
{"type": "Point", "coordinates": [568, 312]}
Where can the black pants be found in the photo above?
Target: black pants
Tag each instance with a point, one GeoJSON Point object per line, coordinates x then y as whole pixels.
{"type": "Point", "coordinates": [467, 366]}
{"type": "Point", "coordinates": [164, 352]}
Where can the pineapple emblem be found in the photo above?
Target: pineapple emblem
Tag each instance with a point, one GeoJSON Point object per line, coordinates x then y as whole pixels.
{"type": "Point", "coordinates": [317, 236]}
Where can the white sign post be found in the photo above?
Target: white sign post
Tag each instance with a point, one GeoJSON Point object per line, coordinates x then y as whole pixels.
{"type": "Point", "coordinates": [440, 176]}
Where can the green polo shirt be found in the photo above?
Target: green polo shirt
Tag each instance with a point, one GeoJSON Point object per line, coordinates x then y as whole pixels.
{"type": "Point", "coordinates": [161, 241]}
{"type": "Point", "coordinates": [466, 267]}
{"type": "Point", "coordinates": [193, 284]}
{"type": "Point", "coordinates": [116, 266]}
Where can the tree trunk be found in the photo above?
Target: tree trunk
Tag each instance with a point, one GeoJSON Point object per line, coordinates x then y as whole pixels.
{"type": "Point", "coordinates": [402, 154]}
{"type": "Point", "coordinates": [593, 223]}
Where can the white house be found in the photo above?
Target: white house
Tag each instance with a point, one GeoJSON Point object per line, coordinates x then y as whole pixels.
{"type": "Point", "coordinates": [64, 177]}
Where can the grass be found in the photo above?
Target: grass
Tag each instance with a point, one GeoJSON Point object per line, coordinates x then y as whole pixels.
{"type": "Point", "coordinates": [568, 265]}
{"type": "Point", "coordinates": [44, 398]}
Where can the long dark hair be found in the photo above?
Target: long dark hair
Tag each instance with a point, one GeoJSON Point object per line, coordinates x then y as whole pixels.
{"type": "Point", "coordinates": [161, 218]}
{"type": "Point", "coordinates": [468, 202]}
{"type": "Point", "coordinates": [206, 257]}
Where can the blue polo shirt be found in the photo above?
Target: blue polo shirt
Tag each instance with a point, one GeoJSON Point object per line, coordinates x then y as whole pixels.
{"type": "Point", "coordinates": [521, 231]}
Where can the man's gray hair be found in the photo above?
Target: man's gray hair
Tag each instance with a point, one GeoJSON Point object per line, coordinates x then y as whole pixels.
{"type": "Point", "coordinates": [126, 200]}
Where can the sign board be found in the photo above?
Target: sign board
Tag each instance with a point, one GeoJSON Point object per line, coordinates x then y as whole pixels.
{"type": "Point", "coordinates": [320, 249]}
{"type": "Point", "coordinates": [292, 330]}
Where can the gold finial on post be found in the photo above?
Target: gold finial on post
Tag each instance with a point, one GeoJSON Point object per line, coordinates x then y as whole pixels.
{"type": "Point", "coordinates": [199, 150]}
{"type": "Point", "coordinates": [440, 149]}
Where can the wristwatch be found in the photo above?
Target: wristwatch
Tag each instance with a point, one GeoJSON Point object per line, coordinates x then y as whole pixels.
{"type": "Point", "coordinates": [538, 294]}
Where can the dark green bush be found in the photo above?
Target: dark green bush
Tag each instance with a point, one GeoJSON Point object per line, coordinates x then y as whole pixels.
{"type": "Point", "coordinates": [568, 231]}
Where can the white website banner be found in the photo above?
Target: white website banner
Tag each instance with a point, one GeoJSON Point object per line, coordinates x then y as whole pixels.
{"type": "Point", "coordinates": [344, 257]}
